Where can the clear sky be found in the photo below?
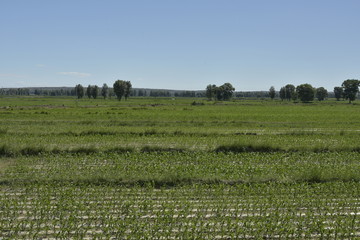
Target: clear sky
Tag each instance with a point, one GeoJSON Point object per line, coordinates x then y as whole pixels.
{"type": "Point", "coordinates": [179, 44]}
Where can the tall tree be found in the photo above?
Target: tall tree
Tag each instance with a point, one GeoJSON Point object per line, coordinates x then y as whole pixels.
{"type": "Point", "coordinates": [122, 88]}
{"type": "Point", "coordinates": [79, 91]}
{"type": "Point", "coordinates": [227, 91]}
{"type": "Point", "coordinates": [210, 91]}
{"type": "Point", "coordinates": [338, 91]}
{"type": "Point", "coordinates": [351, 88]}
{"type": "Point", "coordinates": [105, 91]}
{"type": "Point", "coordinates": [282, 93]}
{"type": "Point", "coordinates": [89, 91]}
{"type": "Point", "coordinates": [305, 92]}
{"type": "Point", "coordinates": [290, 92]}
{"type": "Point", "coordinates": [94, 91]}
{"type": "Point", "coordinates": [128, 87]}
{"type": "Point", "coordinates": [272, 92]}
{"type": "Point", "coordinates": [321, 93]}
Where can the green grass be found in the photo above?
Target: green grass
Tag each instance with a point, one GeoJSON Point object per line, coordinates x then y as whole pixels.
{"type": "Point", "coordinates": [168, 168]}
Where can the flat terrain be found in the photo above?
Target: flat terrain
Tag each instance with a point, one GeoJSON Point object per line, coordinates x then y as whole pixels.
{"type": "Point", "coordinates": [178, 168]}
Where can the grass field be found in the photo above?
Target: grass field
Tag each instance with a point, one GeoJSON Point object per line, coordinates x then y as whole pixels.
{"type": "Point", "coordinates": [169, 168]}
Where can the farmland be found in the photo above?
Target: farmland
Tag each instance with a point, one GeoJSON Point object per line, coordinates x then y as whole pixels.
{"type": "Point", "coordinates": [178, 168]}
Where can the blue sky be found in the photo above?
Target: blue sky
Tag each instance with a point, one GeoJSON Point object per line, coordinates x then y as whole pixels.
{"type": "Point", "coordinates": [187, 44]}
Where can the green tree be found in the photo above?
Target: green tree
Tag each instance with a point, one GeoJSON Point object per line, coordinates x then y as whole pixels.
{"type": "Point", "coordinates": [290, 92]}
{"type": "Point", "coordinates": [351, 88]}
{"type": "Point", "coordinates": [210, 91]}
{"type": "Point", "coordinates": [305, 92]}
{"type": "Point", "coordinates": [128, 87]}
{"type": "Point", "coordinates": [94, 91]}
{"type": "Point", "coordinates": [89, 91]}
{"type": "Point", "coordinates": [282, 93]}
{"type": "Point", "coordinates": [119, 89]}
{"type": "Point", "coordinates": [338, 91]}
{"type": "Point", "coordinates": [227, 91]}
{"type": "Point", "coordinates": [105, 91]}
{"type": "Point", "coordinates": [272, 92]}
{"type": "Point", "coordinates": [321, 93]}
{"type": "Point", "coordinates": [221, 93]}
{"type": "Point", "coordinates": [122, 89]}
{"type": "Point", "coordinates": [79, 91]}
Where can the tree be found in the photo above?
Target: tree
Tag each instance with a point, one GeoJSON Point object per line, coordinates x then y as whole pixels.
{"type": "Point", "coordinates": [282, 93]}
{"type": "Point", "coordinates": [94, 91]}
{"type": "Point", "coordinates": [290, 92]}
{"type": "Point", "coordinates": [122, 88]}
{"type": "Point", "coordinates": [79, 91]}
{"type": "Point", "coordinates": [227, 91]}
{"type": "Point", "coordinates": [272, 92]}
{"type": "Point", "coordinates": [305, 92]}
{"type": "Point", "coordinates": [222, 93]}
{"type": "Point", "coordinates": [351, 88]}
{"type": "Point", "coordinates": [338, 91]}
{"type": "Point", "coordinates": [321, 93]}
{"type": "Point", "coordinates": [89, 91]}
{"type": "Point", "coordinates": [210, 91]}
{"type": "Point", "coordinates": [127, 89]}
{"type": "Point", "coordinates": [105, 91]}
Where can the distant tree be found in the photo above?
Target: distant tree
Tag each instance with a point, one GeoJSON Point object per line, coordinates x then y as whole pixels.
{"type": "Point", "coordinates": [105, 91]}
{"type": "Point", "coordinates": [89, 91]}
{"type": "Point", "coordinates": [128, 87]}
{"type": "Point", "coordinates": [290, 92]}
{"type": "Point", "coordinates": [321, 93]}
{"type": "Point", "coordinates": [79, 91]}
{"type": "Point", "coordinates": [282, 93]}
{"type": "Point", "coordinates": [226, 91]}
{"type": "Point", "coordinates": [338, 91]}
{"type": "Point", "coordinates": [210, 91]}
{"type": "Point", "coordinates": [122, 89]}
{"type": "Point", "coordinates": [305, 92]}
{"type": "Point", "coordinates": [272, 92]}
{"type": "Point", "coordinates": [94, 91]}
{"type": "Point", "coordinates": [119, 89]}
{"type": "Point", "coordinates": [351, 88]}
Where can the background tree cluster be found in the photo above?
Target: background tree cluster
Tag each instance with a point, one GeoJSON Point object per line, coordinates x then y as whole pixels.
{"type": "Point", "coordinates": [121, 89]}
{"type": "Point", "coordinates": [92, 91]}
{"type": "Point", "coordinates": [221, 93]}
{"type": "Point", "coordinates": [304, 92]}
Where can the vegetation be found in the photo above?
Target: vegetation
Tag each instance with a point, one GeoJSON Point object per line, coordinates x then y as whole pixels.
{"type": "Point", "coordinates": [122, 89]}
{"type": "Point", "coordinates": [221, 93]}
{"type": "Point", "coordinates": [305, 92]}
{"type": "Point", "coordinates": [105, 91]}
{"type": "Point", "coordinates": [288, 92]}
{"type": "Point", "coordinates": [338, 92]}
{"type": "Point", "coordinates": [351, 88]}
{"type": "Point", "coordinates": [321, 93]}
{"type": "Point", "coordinates": [79, 91]}
{"type": "Point", "coordinates": [182, 168]}
{"type": "Point", "coordinates": [272, 92]}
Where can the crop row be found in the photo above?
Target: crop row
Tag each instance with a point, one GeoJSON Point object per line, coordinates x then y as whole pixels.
{"type": "Point", "coordinates": [201, 211]}
{"type": "Point", "coordinates": [177, 168]}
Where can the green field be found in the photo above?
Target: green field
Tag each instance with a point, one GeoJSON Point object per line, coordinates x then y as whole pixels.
{"type": "Point", "coordinates": [181, 168]}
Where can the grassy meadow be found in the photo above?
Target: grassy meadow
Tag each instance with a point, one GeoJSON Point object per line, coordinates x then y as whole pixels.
{"type": "Point", "coordinates": [165, 168]}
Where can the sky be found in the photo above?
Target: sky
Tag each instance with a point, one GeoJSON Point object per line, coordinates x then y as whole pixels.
{"type": "Point", "coordinates": [182, 44]}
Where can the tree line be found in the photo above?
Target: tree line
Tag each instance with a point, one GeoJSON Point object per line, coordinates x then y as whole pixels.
{"type": "Point", "coordinates": [307, 93]}
{"type": "Point", "coordinates": [123, 89]}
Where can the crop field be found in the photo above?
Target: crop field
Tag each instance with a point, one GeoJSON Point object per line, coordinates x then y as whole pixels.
{"type": "Point", "coordinates": [166, 168]}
